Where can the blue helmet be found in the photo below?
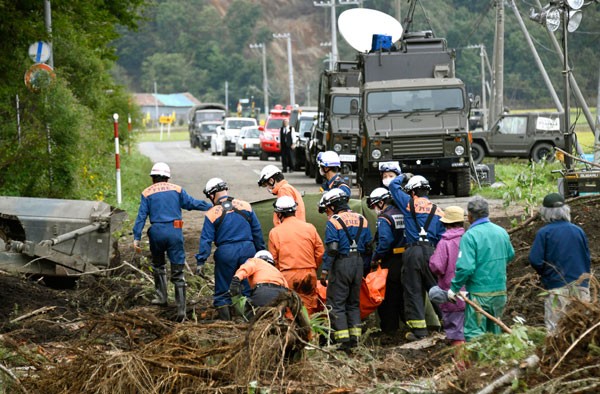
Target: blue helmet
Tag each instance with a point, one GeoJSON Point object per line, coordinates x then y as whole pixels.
{"type": "Point", "coordinates": [390, 166]}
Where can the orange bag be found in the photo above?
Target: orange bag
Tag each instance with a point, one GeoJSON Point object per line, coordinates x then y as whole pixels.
{"type": "Point", "coordinates": [372, 291]}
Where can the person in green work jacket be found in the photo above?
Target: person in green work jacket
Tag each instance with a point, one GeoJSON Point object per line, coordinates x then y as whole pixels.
{"type": "Point", "coordinates": [484, 252]}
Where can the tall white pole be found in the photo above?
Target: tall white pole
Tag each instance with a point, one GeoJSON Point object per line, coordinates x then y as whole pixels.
{"type": "Point", "coordinates": [334, 49]}
{"type": "Point", "coordinates": [290, 65]}
{"type": "Point", "coordinates": [156, 103]}
{"type": "Point", "coordinates": [117, 157]}
{"type": "Point", "coordinates": [265, 78]}
{"type": "Point", "coordinates": [48, 22]}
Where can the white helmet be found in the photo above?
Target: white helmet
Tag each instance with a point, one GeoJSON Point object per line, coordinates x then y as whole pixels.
{"type": "Point", "coordinates": [328, 159]}
{"type": "Point", "coordinates": [417, 182]}
{"type": "Point", "coordinates": [378, 195]}
{"type": "Point", "coordinates": [265, 255]}
{"type": "Point", "coordinates": [285, 204]}
{"type": "Point", "coordinates": [267, 173]}
{"type": "Point", "coordinates": [332, 197]}
{"type": "Point", "coordinates": [161, 169]}
{"type": "Point", "coordinates": [214, 185]}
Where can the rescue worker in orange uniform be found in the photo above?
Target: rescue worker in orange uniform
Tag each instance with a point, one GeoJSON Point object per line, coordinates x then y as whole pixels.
{"type": "Point", "coordinates": [272, 178]}
{"type": "Point", "coordinates": [298, 251]}
{"type": "Point", "coordinates": [266, 282]}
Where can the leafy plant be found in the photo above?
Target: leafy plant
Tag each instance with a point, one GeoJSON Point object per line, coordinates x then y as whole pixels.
{"type": "Point", "coordinates": [502, 349]}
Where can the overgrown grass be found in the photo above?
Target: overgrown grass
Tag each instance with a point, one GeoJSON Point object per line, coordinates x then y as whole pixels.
{"type": "Point", "coordinates": [177, 134]}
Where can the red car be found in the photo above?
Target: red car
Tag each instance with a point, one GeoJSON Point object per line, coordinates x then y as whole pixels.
{"type": "Point", "coordinates": [269, 133]}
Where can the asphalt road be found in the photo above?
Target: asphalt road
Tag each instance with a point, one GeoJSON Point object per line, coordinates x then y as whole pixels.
{"type": "Point", "coordinates": [191, 169]}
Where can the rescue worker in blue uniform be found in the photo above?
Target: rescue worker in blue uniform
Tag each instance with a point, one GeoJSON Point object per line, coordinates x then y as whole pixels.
{"type": "Point", "coordinates": [423, 230]}
{"type": "Point", "coordinates": [347, 246]}
{"type": "Point", "coordinates": [234, 228]}
{"type": "Point", "coordinates": [388, 253]}
{"type": "Point", "coordinates": [329, 165]}
{"type": "Point", "coordinates": [163, 202]}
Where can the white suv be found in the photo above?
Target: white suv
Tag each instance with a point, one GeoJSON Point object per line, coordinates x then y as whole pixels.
{"type": "Point", "coordinates": [229, 133]}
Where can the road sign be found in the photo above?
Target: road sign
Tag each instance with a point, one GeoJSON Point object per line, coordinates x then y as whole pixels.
{"type": "Point", "coordinates": [39, 52]}
{"type": "Point", "coordinates": [39, 76]}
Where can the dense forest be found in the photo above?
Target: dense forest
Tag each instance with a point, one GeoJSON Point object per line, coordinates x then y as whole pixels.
{"type": "Point", "coordinates": [198, 45]}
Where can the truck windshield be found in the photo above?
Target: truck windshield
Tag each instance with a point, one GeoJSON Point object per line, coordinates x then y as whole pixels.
{"type": "Point", "coordinates": [238, 124]}
{"type": "Point", "coordinates": [342, 105]}
{"type": "Point", "coordinates": [208, 115]}
{"type": "Point", "coordinates": [411, 100]}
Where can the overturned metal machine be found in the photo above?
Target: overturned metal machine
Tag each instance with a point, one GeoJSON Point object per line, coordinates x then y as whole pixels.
{"type": "Point", "coordinates": [57, 238]}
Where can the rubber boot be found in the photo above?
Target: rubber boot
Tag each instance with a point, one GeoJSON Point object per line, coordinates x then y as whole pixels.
{"type": "Point", "coordinates": [160, 286]}
{"type": "Point", "coordinates": [224, 313]}
{"type": "Point", "coordinates": [178, 279]}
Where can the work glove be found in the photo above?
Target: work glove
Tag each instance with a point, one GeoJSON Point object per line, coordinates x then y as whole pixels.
{"type": "Point", "coordinates": [235, 289]}
{"type": "Point", "coordinates": [323, 279]}
{"type": "Point", "coordinates": [136, 246]}
{"type": "Point", "coordinates": [451, 296]}
{"type": "Point", "coordinates": [200, 270]}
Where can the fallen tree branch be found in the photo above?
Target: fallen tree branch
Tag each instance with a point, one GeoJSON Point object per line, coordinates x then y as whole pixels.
{"type": "Point", "coordinates": [33, 313]}
{"type": "Point", "coordinates": [575, 344]}
{"type": "Point", "coordinates": [508, 377]}
{"type": "Point", "coordinates": [12, 375]}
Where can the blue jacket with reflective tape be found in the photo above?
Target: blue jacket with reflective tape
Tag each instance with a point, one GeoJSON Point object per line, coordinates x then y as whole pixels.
{"type": "Point", "coordinates": [422, 209]}
{"type": "Point", "coordinates": [163, 202]}
{"type": "Point", "coordinates": [238, 224]}
{"type": "Point", "coordinates": [334, 232]}
{"type": "Point", "coordinates": [390, 232]}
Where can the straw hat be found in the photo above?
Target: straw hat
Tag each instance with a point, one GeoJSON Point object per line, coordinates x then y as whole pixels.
{"type": "Point", "coordinates": [453, 214]}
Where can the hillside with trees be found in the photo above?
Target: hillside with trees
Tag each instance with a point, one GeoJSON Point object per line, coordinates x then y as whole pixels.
{"type": "Point", "coordinates": [198, 45]}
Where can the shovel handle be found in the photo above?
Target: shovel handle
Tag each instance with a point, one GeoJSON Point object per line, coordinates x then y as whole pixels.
{"type": "Point", "coordinates": [478, 308]}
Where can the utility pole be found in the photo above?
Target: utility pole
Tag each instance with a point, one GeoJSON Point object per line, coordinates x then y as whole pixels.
{"type": "Point", "coordinates": [497, 105]}
{"type": "Point", "coordinates": [264, 70]}
{"type": "Point", "coordinates": [290, 65]}
{"type": "Point", "coordinates": [48, 23]}
{"type": "Point", "coordinates": [331, 4]}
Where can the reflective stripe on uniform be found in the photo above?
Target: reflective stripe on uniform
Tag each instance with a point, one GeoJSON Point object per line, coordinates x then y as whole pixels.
{"type": "Point", "coordinates": [417, 323]}
{"type": "Point", "coordinates": [399, 250]}
{"type": "Point", "coordinates": [341, 334]}
{"type": "Point", "coordinates": [355, 331]}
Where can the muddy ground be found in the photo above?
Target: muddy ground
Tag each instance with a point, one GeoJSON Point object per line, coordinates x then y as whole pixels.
{"type": "Point", "coordinates": [104, 337]}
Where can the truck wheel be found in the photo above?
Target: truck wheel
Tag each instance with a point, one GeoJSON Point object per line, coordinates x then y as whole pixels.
{"type": "Point", "coordinates": [541, 151]}
{"type": "Point", "coordinates": [264, 156]}
{"type": "Point", "coordinates": [462, 185]}
{"type": "Point", "coordinates": [477, 152]}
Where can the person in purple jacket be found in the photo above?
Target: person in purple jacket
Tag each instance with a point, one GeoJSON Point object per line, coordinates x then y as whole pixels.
{"type": "Point", "coordinates": [443, 264]}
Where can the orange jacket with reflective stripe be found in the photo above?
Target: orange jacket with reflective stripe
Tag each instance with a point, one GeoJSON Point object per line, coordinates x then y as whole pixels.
{"type": "Point", "coordinates": [259, 271]}
{"type": "Point", "coordinates": [283, 188]}
{"type": "Point", "coordinates": [295, 244]}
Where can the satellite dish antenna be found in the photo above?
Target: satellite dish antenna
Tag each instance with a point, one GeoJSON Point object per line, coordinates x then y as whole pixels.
{"type": "Point", "coordinates": [357, 26]}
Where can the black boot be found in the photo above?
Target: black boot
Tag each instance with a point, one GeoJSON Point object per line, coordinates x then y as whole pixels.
{"type": "Point", "coordinates": [224, 313]}
{"type": "Point", "coordinates": [178, 280]}
{"type": "Point", "coordinates": [160, 286]}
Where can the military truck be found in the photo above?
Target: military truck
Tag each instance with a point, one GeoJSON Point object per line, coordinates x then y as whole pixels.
{"type": "Point", "coordinates": [415, 111]}
{"type": "Point", "coordinates": [212, 112]}
{"type": "Point", "coordinates": [337, 120]}
{"type": "Point", "coordinates": [532, 135]}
